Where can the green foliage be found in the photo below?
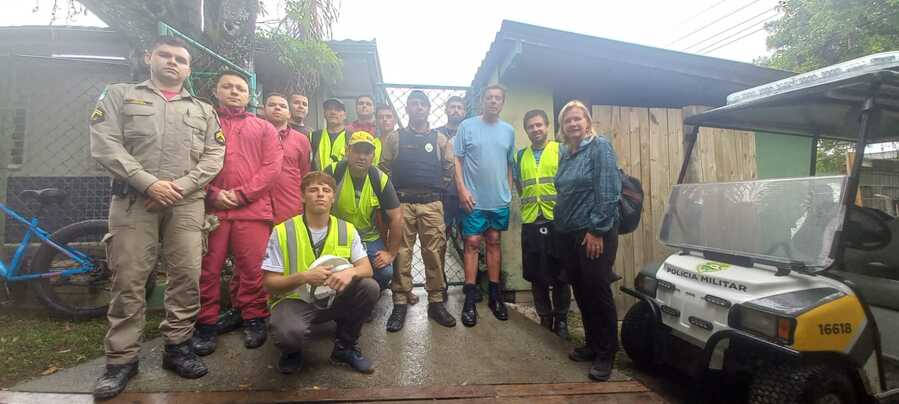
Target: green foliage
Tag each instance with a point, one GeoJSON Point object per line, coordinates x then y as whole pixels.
{"type": "Point", "coordinates": [816, 33]}
{"type": "Point", "coordinates": [298, 38]}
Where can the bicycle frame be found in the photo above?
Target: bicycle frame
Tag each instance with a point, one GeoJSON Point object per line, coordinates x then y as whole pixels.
{"type": "Point", "coordinates": [9, 271]}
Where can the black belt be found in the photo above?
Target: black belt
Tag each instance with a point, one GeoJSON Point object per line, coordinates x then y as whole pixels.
{"type": "Point", "coordinates": [419, 197]}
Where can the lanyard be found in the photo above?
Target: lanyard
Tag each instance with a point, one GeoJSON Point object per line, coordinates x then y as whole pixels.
{"type": "Point", "coordinates": [317, 247]}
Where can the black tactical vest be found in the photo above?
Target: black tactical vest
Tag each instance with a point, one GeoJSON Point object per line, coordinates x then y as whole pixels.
{"type": "Point", "coordinates": [418, 162]}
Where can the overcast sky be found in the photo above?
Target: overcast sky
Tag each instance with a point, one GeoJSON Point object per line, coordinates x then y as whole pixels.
{"type": "Point", "coordinates": [431, 42]}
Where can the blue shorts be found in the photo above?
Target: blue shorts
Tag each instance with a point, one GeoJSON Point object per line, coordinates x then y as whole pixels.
{"type": "Point", "coordinates": [479, 221]}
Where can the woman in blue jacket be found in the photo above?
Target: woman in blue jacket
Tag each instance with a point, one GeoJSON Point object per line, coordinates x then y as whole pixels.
{"type": "Point", "coordinates": [586, 220]}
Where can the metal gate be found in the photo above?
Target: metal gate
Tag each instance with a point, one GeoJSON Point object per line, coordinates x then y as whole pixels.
{"type": "Point", "coordinates": [396, 95]}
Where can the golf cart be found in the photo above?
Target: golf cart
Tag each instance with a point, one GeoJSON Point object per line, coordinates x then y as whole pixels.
{"type": "Point", "coordinates": [791, 284]}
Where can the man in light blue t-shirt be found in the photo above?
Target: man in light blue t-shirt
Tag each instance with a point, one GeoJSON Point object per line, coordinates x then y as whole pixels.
{"type": "Point", "coordinates": [484, 146]}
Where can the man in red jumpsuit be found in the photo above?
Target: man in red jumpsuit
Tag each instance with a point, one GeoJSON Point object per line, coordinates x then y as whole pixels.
{"type": "Point", "coordinates": [239, 197]}
{"type": "Point", "coordinates": [286, 196]}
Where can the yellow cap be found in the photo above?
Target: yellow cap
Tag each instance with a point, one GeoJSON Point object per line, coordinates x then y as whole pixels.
{"type": "Point", "coordinates": [361, 137]}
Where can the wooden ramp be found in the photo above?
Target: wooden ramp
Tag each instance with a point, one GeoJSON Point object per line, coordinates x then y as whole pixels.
{"type": "Point", "coordinates": [609, 392]}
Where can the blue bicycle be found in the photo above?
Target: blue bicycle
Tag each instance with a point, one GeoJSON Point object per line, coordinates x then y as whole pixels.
{"type": "Point", "coordinates": [68, 271]}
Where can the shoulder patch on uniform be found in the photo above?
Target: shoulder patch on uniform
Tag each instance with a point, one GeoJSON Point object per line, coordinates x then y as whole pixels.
{"type": "Point", "coordinates": [220, 137]}
{"type": "Point", "coordinates": [136, 101]}
{"type": "Point", "coordinates": [98, 115]}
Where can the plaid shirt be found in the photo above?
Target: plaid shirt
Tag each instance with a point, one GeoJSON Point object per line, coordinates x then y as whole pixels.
{"type": "Point", "coordinates": [588, 188]}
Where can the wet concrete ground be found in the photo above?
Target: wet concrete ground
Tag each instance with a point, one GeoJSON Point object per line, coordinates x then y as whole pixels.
{"type": "Point", "coordinates": [422, 354]}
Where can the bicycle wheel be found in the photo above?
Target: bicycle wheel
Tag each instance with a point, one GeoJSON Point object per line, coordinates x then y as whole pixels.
{"type": "Point", "coordinates": [84, 295]}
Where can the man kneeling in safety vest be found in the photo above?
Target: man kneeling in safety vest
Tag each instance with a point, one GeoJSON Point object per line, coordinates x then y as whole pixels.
{"type": "Point", "coordinates": [292, 247]}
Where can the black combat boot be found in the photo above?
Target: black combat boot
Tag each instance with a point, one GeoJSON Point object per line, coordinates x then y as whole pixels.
{"type": "Point", "coordinates": [495, 302]}
{"type": "Point", "coordinates": [582, 354]}
{"type": "Point", "coordinates": [203, 341]}
{"type": "Point", "coordinates": [397, 318]}
{"type": "Point", "coordinates": [546, 322]}
{"type": "Point", "coordinates": [229, 321]}
{"type": "Point", "coordinates": [560, 325]}
{"type": "Point", "coordinates": [290, 362]}
{"type": "Point", "coordinates": [114, 380]}
{"type": "Point", "coordinates": [183, 361]}
{"type": "Point", "coordinates": [255, 334]}
{"type": "Point", "coordinates": [469, 308]}
{"type": "Point", "coordinates": [437, 312]}
{"type": "Point", "coordinates": [601, 369]}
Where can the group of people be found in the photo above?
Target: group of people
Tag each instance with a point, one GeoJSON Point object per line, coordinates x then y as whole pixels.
{"type": "Point", "coordinates": [197, 185]}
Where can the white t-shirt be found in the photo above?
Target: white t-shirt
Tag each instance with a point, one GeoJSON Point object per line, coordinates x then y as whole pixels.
{"type": "Point", "coordinates": [274, 262]}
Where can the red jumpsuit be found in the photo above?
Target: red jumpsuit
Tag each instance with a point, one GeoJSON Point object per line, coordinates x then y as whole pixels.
{"type": "Point", "coordinates": [286, 196]}
{"type": "Point", "coordinates": [253, 157]}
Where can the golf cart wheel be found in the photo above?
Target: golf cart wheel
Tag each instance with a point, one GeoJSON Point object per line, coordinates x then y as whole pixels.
{"type": "Point", "coordinates": [637, 331]}
{"type": "Point", "coordinates": [814, 384]}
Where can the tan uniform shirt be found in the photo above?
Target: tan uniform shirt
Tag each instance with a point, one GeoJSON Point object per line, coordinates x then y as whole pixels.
{"type": "Point", "coordinates": [390, 144]}
{"type": "Point", "coordinates": [141, 138]}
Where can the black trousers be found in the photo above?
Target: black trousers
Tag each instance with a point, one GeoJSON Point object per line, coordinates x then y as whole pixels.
{"type": "Point", "coordinates": [549, 285]}
{"type": "Point", "coordinates": [591, 280]}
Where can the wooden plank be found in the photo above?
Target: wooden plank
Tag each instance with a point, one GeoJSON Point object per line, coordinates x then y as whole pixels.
{"type": "Point", "coordinates": [624, 262]}
{"type": "Point", "coordinates": [675, 142]}
{"type": "Point", "coordinates": [707, 154]}
{"type": "Point", "coordinates": [602, 119]}
{"type": "Point", "coordinates": [649, 238]}
{"type": "Point", "coordinates": [635, 169]}
{"type": "Point", "coordinates": [658, 122]}
{"type": "Point", "coordinates": [556, 389]}
{"type": "Point", "coordinates": [749, 161]}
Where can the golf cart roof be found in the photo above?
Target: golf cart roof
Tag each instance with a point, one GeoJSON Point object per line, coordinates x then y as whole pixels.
{"type": "Point", "coordinates": [824, 102]}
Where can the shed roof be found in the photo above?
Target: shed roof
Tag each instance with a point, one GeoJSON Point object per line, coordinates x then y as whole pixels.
{"type": "Point", "coordinates": [614, 72]}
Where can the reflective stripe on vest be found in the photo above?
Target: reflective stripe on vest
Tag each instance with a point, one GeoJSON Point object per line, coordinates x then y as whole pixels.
{"type": "Point", "coordinates": [327, 153]}
{"type": "Point", "coordinates": [360, 213]}
{"type": "Point", "coordinates": [538, 194]}
{"type": "Point", "coordinates": [297, 253]}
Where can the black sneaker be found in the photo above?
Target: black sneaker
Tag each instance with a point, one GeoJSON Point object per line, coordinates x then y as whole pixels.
{"type": "Point", "coordinates": [183, 361]}
{"type": "Point", "coordinates": [469, 308]}
{"type": "Point", "coordinates": [495, 302]}
{"type": "Point", "coordinates": [437, 312]}
{"type": "Point", "coordinates": [203, 341]}
{"type": "Point", "coordinates": [255, 334]}
{"type": "Point", "coordinates": [601, 369]}
{"type": "Point", "coordinates": [582, 354]}
{"type": "Point", "coordinates": [229, 321]}
{"type": "Point", "coordinates": [349, 354]}
{"type": "Point", "coordinates": [290, 362]}
{"type": "Point", "coordinates": [560, 325]}
{"type": "Point", "coordinates": [114, 380]}
{"type": "Point", "coordinates": [397, 318]}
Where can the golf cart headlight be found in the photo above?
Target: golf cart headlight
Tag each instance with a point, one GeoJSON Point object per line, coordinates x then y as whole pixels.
{"type": "Point", "coordinates": [646, 284]}
{"type": "Point", "coordinates": [771, 326]}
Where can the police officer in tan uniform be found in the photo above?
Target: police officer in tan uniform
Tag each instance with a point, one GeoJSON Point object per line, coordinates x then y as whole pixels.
{"type": "Point", "coordinates": [162, 146]}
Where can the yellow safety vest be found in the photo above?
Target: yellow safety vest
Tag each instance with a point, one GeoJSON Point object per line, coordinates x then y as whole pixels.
{"type": "Point", "coordinates": [538, 192]}
{"type": "Point", "coordinates": [377, 158]}
{"type": "Point", "coordinates": [360, 213]}
{"type": "Point", "coordinates": [296, 247]}
{"type": "Point", "coordinates": [328, 153]}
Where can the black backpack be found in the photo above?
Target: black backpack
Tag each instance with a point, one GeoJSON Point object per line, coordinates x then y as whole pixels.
{"type": "Point", "coordinates": [630, 206]}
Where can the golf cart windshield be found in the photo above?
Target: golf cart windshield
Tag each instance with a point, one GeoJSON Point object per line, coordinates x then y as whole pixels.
{"type": "Point", "coordinates": [784, 221]}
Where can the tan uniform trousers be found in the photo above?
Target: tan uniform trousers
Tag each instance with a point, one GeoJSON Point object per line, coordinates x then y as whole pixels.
{"type": "Point", "coordinates": [424, 220]}
{"type": "Point", "coordinates": [132, 252]}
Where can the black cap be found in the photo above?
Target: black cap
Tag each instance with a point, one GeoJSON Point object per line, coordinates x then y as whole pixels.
{"type": "Point", "coordinates": [333, 102]}
{"type": "Point", "coordinates": [418, 95]}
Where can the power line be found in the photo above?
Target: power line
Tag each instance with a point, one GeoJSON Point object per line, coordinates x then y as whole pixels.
{"type": "Point", "coordinates": [735, 40]}
{"type": "Point", "coordinates": [731, 28]}
{"type": "Point", "coordinates": [711, 23]}
{"type": "Point", "coordinates": [690, 18]}
{"type": "Point", "coordinates": [756, 25]}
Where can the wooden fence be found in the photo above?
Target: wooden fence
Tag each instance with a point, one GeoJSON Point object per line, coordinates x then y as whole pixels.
{"type": "Point", "coordinates": [649, 144]}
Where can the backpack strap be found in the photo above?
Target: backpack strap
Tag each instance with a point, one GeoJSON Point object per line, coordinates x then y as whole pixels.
{"type": "Point", "coordinates": [338, 171]}
{"type": "Point", "coordinates": [374, 176]}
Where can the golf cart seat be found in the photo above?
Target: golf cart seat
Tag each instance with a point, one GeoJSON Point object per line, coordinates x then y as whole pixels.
{"type": "Point", "coordinates": [875, 271]}
{"type": "Point", "coordinates": [46, 196]}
